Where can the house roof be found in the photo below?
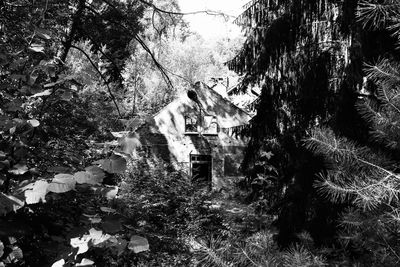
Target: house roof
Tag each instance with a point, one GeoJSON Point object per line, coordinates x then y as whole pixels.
{"type": "Point", "coordinates": [228, 114]}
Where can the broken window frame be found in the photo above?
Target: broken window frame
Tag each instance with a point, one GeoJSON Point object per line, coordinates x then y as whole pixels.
{"type": "Point", "coordinates": [194, 123]}
{"type": "Point", "coordinates": [213, 125]}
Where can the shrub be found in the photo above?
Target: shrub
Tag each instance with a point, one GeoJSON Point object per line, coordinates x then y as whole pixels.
{"type": "Point", "coordinates": [162, 203]}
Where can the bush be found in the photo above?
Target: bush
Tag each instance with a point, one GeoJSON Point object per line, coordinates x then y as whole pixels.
{"type": "Point", "coordinates": [161, 203]}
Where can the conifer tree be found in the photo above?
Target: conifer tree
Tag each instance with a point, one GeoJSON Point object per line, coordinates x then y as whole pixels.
{"type": "Point", "coordinates": [366, 176]}
{"type": "Point", "coordinates": [308, 58]}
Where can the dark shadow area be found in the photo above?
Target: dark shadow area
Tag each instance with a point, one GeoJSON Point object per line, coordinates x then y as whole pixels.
{"type": "Point", "coordinates": [154, 145]}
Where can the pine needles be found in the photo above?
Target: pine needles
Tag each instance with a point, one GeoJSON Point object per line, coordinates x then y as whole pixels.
{"type": "Point", "coordinates": [366, 177]}
{"type": "Point", "coordinates": [258, 250]}
{"type": "Point", "coordinates": [377, 14]}
{"type": "Point", "coordinates": [358, 174]}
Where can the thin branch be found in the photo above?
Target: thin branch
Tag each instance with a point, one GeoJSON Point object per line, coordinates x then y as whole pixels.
{"type": "Point", "coordinates": [208, 12]}
{"type": "Point", "coordinates": [140, 41]}
{"type": "Point", "coordinates": [247, 256]}
{"type": "Point", "coordinates": [104, 54]}
{"type": "Point", "coordinates": [102, 77]}
{"type": "Point", "coordinates": [74, 27]}
{"type": "Point", "coordinates": [375, 166]}
{"type": "Point", "coordinates": [390, 247]}
{"type": "Point", "coordinates": [179, 76]}
{"type": "Point", "coordinates": [155, 61]}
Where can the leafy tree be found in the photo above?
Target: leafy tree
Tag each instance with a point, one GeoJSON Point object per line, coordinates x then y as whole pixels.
{"type": "Point", "coordinates": [186, 57]}
{"type": "Point", "coordinates": [48, 118]}
{"type": "Point", "coordinates": [62, 91]}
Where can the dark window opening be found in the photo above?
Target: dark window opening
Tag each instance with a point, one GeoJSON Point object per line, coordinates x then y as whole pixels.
{"type": "Point", "coordinates": [191, 124]}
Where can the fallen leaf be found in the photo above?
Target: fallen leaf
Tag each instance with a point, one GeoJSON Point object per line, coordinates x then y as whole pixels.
{"type": "Point", "coordinates": [19, 169]}
{"type": "Point", "coordinates": [34, 123]}
{"type": "Point", "coordinates": [115, 164]}
{"type": "Point", "coordinates": [37, 193]}
{"type": "Point", "coordinates": [87, 178]}
{"type": "Point", "coordinates": [82, 243]}
{"type": "Point", "coordinates": [119, 134]}
{"type": "Point", "coordinates": [98, 173]}
{"type": "Point", "coordinates": [44, 93]}
{"type": "Point", "coordinates": [42, 33]}
{"type": "Point", "coordinates": [62, 183]}
{"type": "Point", "coordinates": [138, 244]}
{"type": "Point", "coordinates": [108, 191]}
{"type": "Point", "coordinates": [85, 262]}
{"type": "Point", "coordinates": [95, 220]}
{"type": "Point", "coordinates": [15, 255]}
{"type": "Point", "coordinates": [98, 237]}
{"type": "Point", "coordinates": [106, 209]}
{"type": "Point", "coordinates": [38, 48]}
{"type": "Point", "coordinates": [1, 249]}
{"type": "Point", "coordinates": [59, 263]}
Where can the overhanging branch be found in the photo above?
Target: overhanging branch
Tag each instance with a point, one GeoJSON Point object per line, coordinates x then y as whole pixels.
{"type": "Point", "coordinates": [102, 77]}
{"type": "Point", "coordinates": [208, 12]}
{"type": "Point", "coordinates": [140, 41]}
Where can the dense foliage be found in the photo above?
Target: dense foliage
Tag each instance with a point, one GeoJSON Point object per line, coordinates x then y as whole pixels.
{"type": "Point", "coordinates": [322, 182]}
{"type": "Point", "coordinates": [50, 123]}
{"type": "Point", "coordinates": [72, 193]}
{"type": "Point", "coordinates": [325, 64]}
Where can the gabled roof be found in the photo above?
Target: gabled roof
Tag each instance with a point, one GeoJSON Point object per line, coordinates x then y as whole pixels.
{"type": "Point", "coordinates": [211, 103]}
{"type": "Point", "coordinates": [228, 114]}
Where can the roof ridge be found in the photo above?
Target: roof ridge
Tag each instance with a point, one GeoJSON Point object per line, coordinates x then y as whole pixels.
{"type": "Point", "coordinates": [220, 96]}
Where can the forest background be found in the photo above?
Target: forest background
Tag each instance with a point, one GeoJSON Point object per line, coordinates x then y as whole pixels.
{"type": "Point", "coordinates": [321, 185]}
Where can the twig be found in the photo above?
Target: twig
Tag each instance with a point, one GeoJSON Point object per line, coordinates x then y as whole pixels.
{"type": "Point", "coordinates": [390, 247]}
{"type": "Point", "coordinates": [102, 77]}
{"type": "Point", "coordinates": [247, 256]}
{"type": "Point", "coordinates": [208, 12]}
{"type": "Point", "coordinates": [140, 41]}
{"type": "Point", "coordinates": [74, 27]}
{"type": "Point", "coordinates": [105, 55]}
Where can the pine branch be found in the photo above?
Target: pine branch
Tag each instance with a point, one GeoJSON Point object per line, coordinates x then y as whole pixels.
{"type": "Point", "coordinates": [377, 15]}
{"type": "Point", "coordinates": [358, 172]}
{"type": "Point", "coordinates": [334, 192]}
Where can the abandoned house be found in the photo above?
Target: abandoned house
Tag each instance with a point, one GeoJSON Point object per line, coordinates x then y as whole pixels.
{"type": "Point", "coordinates": [197, 133]}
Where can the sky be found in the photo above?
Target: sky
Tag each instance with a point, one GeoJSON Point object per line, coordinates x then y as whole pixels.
{"type": "Point", "coordinates": [210, 26]}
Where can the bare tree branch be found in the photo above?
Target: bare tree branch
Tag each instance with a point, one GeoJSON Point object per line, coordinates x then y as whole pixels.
{"type": "Point", "coordinates": [141, 42]}
{"type": "Point", "coordinates": [155, 61]}
{"type": "Point", "coordinates": [102, 77]}
{"type": "Point", "coordinates": [208, 12]}
{"type": "Point", "coordinates": [105, 55]}
{"type": "Point", "coordinates": [74, 27]}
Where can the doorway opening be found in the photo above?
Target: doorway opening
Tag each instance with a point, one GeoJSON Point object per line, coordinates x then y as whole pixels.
{"type": "Point", "coordinates": [200, 168]}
